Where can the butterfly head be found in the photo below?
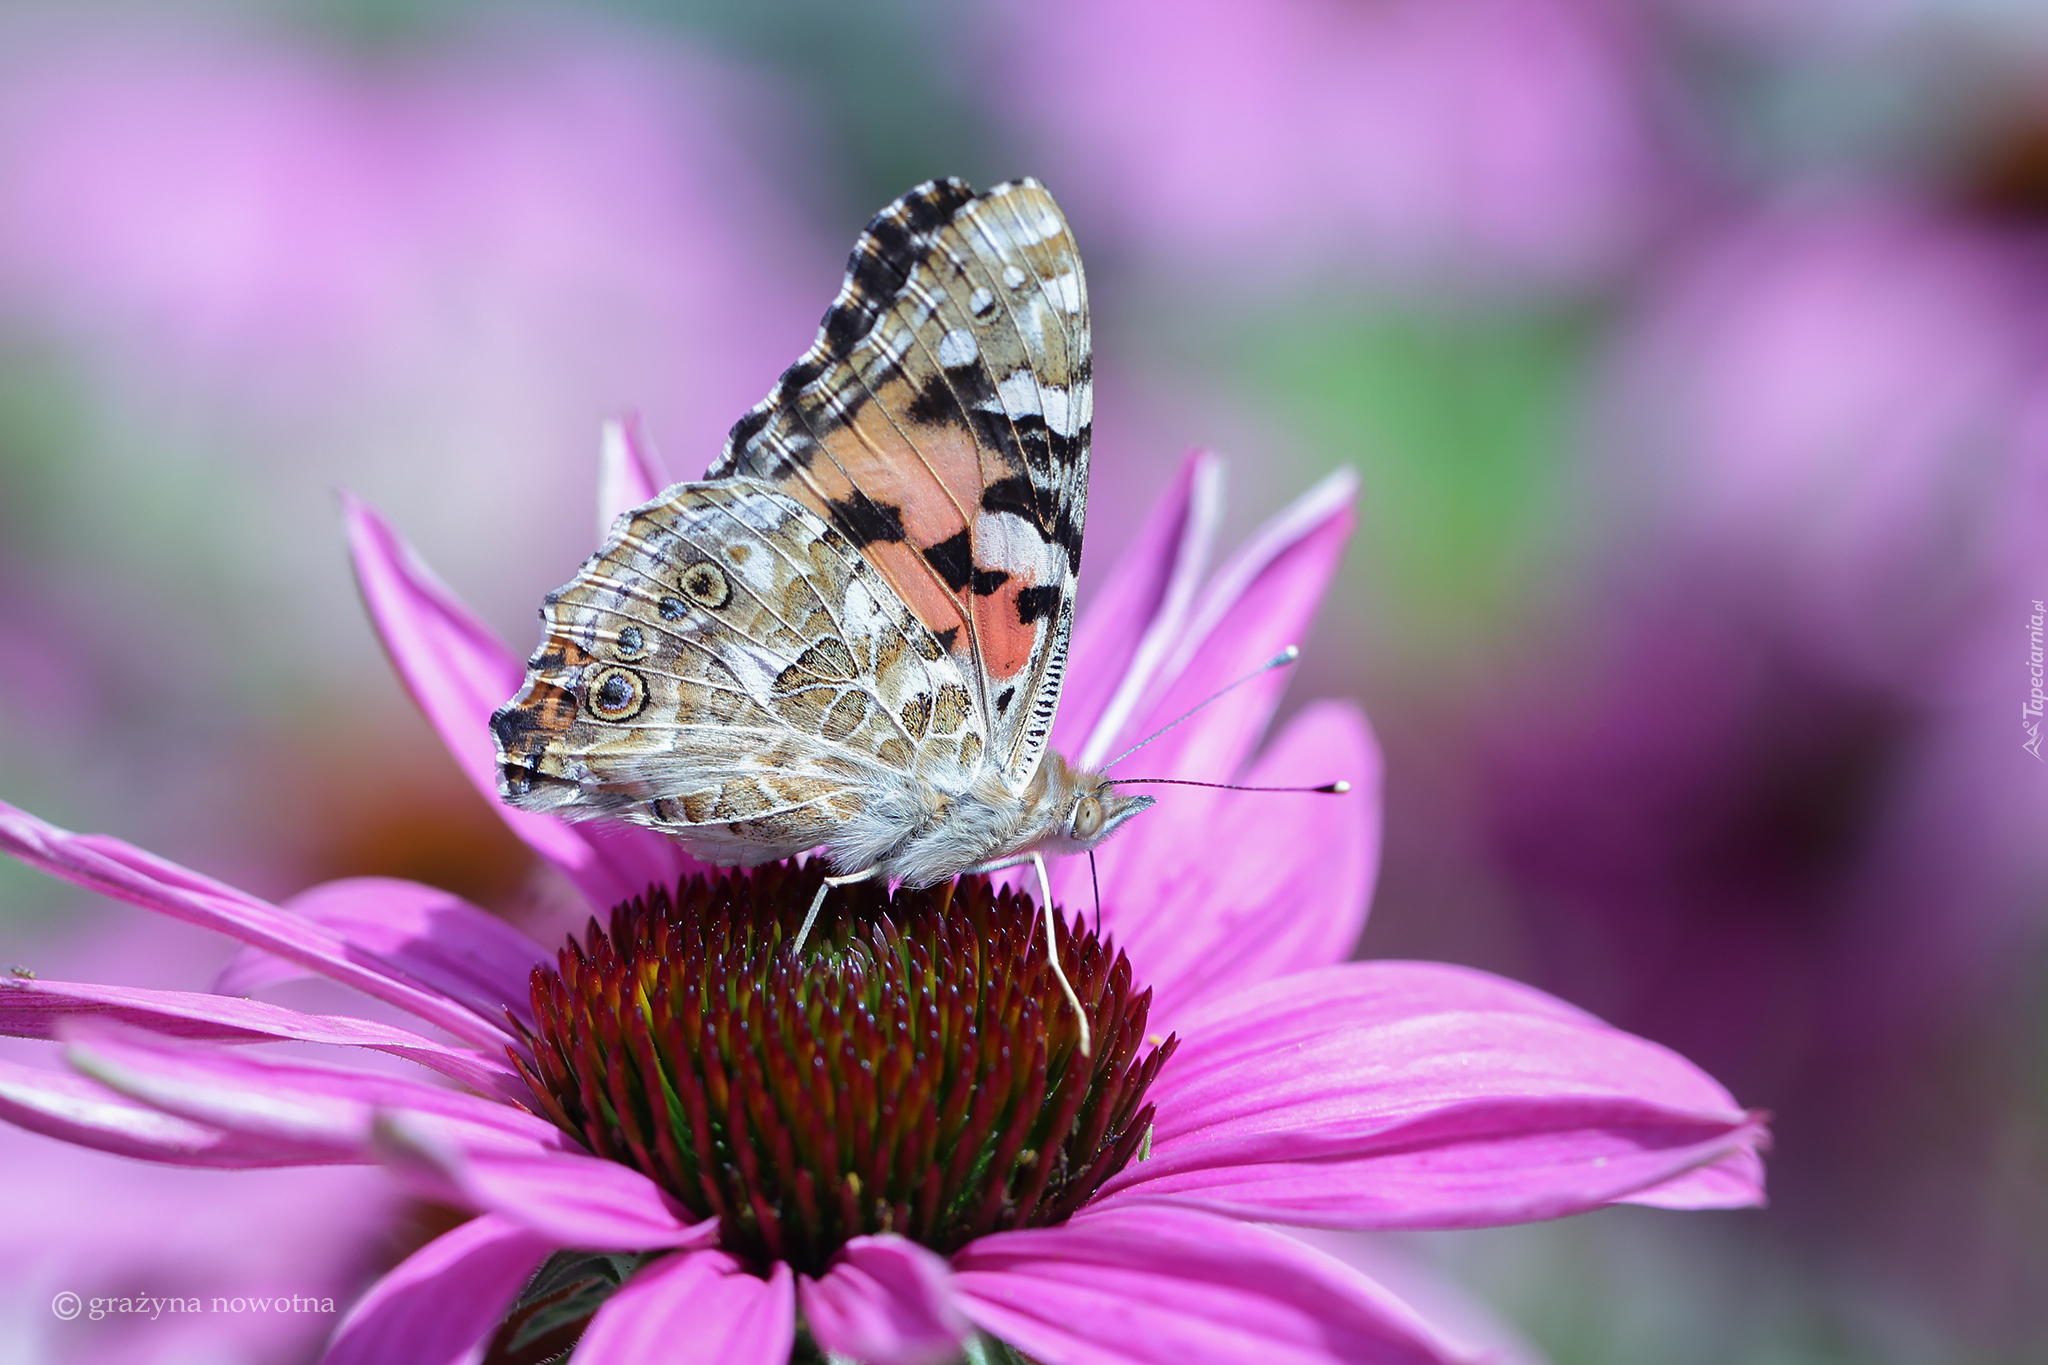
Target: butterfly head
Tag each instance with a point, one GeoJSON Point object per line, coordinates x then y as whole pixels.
{"type": "Point", "coordinates": [1094, 813]}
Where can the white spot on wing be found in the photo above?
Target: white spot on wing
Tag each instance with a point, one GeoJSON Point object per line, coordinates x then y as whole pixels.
{"type": "Point", "coordinates": [1019, 393]}
{"type": "Point", "coordinates": [1008, 542]}
{"type": "Point", "coordinates": [957, 348]}
{"type": "Point", "coordinates": [1031, 326]}
{"type": "Point", "coordinates": [980, 301]}
{"type": "Point", "coordinates": [1061, 416]}
{"type": "Point", "coordinates": [1065, 291]}
{"type": "Point", "coordinates": [1013, 277]}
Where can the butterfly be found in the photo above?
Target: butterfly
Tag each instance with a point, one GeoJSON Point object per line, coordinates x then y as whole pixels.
{"type": "Point", "coordinates": [851, 633]}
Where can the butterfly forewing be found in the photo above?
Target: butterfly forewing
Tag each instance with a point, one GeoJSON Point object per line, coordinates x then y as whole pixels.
{"type": "Point", "coordinates": [941, 423]}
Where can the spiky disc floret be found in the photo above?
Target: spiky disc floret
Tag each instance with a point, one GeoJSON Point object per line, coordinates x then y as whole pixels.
{"type": "Point", "coordinates": [916, 1071]}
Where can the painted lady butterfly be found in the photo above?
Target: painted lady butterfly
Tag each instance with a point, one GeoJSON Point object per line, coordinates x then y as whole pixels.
{"type": "Point", "coordinates": [851, 633]}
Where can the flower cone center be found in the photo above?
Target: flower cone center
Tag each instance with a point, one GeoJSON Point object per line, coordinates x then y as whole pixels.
{"type": "Point", "coordinates": [916, 1070]}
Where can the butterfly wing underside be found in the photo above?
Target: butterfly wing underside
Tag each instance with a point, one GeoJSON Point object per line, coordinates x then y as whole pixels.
{"type": "Point", "coordinates": [728, 670]}
{"type": "Point", "coordinates": [873, 583]}
{"type": "Point", "coordinates": [941, 423]}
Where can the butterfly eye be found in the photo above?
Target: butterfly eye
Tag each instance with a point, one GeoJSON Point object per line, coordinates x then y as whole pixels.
{"type": "Point", "coordinates": [706, 585]}
{"type": "Point", "coordinates": [1087, 818]}
{"type": "Point", "coordinates": [617, 694]}
{"type": "Point", "coordinates": [630, 643]}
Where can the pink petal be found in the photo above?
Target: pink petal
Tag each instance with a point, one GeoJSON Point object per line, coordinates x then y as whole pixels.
{"type": "Point", "coordinates": [435, 937]}
{"type": "Point", "coordinates": [886, 1301]}
{"type": "Point", "coordinates": [459, 672]}
{"type": "Point", "coordinates": [1379, 1095]}
{"type": "Point", "coordinates": [1153, 1285]}
{"type": "Point", "coordinates": [1370, 993]}
{"type": "Point", "coordinates": [1736, 1181]}
{"type": "Point", "coordinates": [290, 1100]}
{"type": "Point", "coordinates": [1281, 881]}
{"type": "Point", "coordinates": [75, 1110]}
{"type": "Point", "coordinates": [1464, 1325]}
{"type": "Point", "coordinates": [1257, 604]}
{"type": "Point", "coordinates": [694, 1308]}
{"type": "Point", "coordinates": [569, 1197]}
{"type": "Point", "coordinates": [33, 1009]}
{"type": "Point", "coordinates": [1137, 617]}
{"type": "Point", "coordinates": [449, 1146]}
{"type": "Point", "coordinates": [442, 1301]}
{"type": "Point", "coordinates": [125, 872]}
{"type": "Point", "coordinates": [1496, 1165]}
{"type": "Point", "coordinates": [630, 473]}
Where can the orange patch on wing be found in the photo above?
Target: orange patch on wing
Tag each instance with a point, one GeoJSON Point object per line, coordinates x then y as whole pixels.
{"type": "Point", "coordinates": [953, 456]}
{"type": "Point", "coordinates": [1006, 642]}
{"type": "Point", "coordinates": [921, 590]}
{"type": "Point", "coordinates": [931, 474]}
{"type": "Point", "coordinates": [548, 710]}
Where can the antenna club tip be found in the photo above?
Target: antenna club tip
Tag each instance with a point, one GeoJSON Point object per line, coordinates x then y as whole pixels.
{"type": "Point", "coordinates": [1336, 788]}
{"type": "Point", "coordinates": [1288, 655]}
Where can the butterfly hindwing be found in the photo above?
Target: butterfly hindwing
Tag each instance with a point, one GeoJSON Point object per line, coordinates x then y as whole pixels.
{"type": "Point", "coordinates": [729, 670]}
{"type": "Point", "coordinates": [941, 423]}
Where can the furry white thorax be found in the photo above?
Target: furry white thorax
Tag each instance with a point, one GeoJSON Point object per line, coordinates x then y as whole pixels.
{"type": "Point", "coordinates": [915, 833]}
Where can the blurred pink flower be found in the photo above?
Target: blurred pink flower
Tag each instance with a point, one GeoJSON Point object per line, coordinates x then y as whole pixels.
{"type": "Point", "coordinates": [233, 201]}
{"type": "Point", "coordinates": [1305, 1090]}
{"type": "Point", "coordinates": [1830, 404]}
{"type": "Point", "coordinates": [1834, 411]}
{"type": "Point", "coordinates": [1491, 140]}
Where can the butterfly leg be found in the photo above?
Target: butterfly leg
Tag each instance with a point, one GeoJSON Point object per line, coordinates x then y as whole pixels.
{"type": "Point", "coordinates": [1037, 860]}
{"type": "Point", "coordinates": [818, 901]}
{"type": "Point", "coordinates": [1052, 952]}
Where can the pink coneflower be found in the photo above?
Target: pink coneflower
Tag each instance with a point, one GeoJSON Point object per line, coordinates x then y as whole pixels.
{"type": "Point", "coordinates": [899, 1144]}
{"type": "Point", "coordinates": [1830, 407]}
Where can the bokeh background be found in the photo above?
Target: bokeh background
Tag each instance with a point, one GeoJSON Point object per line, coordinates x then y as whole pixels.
{"type": "Point", "coordinates": [1694, 354]}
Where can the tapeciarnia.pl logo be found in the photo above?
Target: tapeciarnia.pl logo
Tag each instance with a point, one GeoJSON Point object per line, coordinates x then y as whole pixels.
{"type": "Point", "coordinates": [2030, 714]}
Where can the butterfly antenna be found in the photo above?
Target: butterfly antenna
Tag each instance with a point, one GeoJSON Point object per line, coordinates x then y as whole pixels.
{"type": "Point", "coordinates": [1280, 660]}
{"type": "Point", "coordinates": [1328, 788]}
